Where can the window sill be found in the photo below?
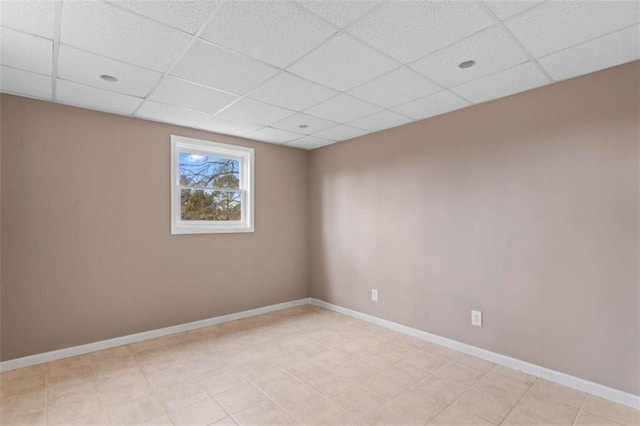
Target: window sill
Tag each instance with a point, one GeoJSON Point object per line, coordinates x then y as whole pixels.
{"type": "Point", "coordinates": [185, 230]}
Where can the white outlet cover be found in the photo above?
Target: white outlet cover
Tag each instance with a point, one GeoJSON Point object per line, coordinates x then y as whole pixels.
{"type": "Point", "coordinates": [374, 295]}
{"type": "Point", "coordinates": [476, 318]}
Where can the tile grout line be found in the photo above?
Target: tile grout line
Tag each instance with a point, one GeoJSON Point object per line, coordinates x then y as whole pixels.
{"type": "Point", "coordinates": [46, 394]}
{"type": "Point", "coordinates": [172, 348]}
{"type": "Point", "coordinates": [284, 371]}
{"type": "Point", "coordinates": [520, 399]}
{"type": "Point", "coordinates": [580, 409]}
{"type": "Point", "coordinates": [95, 382]}
{"type": "Point", "coordinates": [451, 404]}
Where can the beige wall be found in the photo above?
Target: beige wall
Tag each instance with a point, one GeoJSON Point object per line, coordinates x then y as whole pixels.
{"type": "Point", "coordinates": [525, 208]}
{"type": "Point", "coordinates": [87, 252]}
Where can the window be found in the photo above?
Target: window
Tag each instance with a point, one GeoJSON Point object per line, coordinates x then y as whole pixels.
{"type": "Point", "coordinates": [211, 187]}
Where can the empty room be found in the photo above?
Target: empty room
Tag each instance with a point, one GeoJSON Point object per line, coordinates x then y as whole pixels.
{"type": "Point", "coordinates": [320, 212]}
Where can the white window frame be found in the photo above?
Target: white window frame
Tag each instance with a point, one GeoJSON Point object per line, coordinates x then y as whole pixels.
{"type": "Point", "coordinates": [202, 147]}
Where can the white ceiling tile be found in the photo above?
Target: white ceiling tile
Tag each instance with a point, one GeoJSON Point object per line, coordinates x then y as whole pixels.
{"type": "Point", "coordinates": [275, 32]}
{"type": "Point", "coordinates": [290, 91]}
{"type": "Point", "coordinates": [250, 111]}
{"type": "Point", "coordinates": [398, 87]}
{"type": "Point", "coordinates": [27, 52]}
{"type": "Point", "coordinates": [188, 95]}
{"type": "Point", "coordinates": [185, 15]}
{"type": "Point", "coordinates": [343, 63]}
{"type": "Point", "coordinates": [492, 50]}
{"type": "Point", "coordinates": [341, 133]}
{"type": "Point", "coordinates": [604, 52]}
{"type": "Point", "coordinates": [380, 120]}
{"type": "Point", "coordinates": [25, 83]}
{"type": "Point", "coordinates": [170, 114]}
{"type": "Point", "coordinates": [339, 12]}
{"type": "Point", "coordinates": [228, 127]}
{"type": "Point", "coordinates": [314, 124]}
{"type": "Point", "coordinates": [506, 8]}
{"type": "Point", "coordinates": [84, 96]}
{"type": "Point", "coordinates": [86, 68]}
{"type": "Point", "coordinates": [517, 79]}
{"type": "Point", "coordinates": [34, 17]}
{"type": "Point", "coordinates": [439, 103]}
{"type": "Point", "coordinates": [113, 32]}
{"type": "Point", "coordinates": [408, 30]}
{"type": "Point", "coordinates": [269, 134]}
{"type": "Point", "coordinates": [220, 69]}
{"type": "Point", "coordinates": [343, 109]}
{"type": "Point", "coordinates": [310, 142]}
{"type": "Point", "coordinates": [559, 24]}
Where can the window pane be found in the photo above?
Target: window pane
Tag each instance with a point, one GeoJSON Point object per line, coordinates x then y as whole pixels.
{"type": "Point", "coordinates": [208, 172]}
{"type": "Point", "coordinates": [202, 204]}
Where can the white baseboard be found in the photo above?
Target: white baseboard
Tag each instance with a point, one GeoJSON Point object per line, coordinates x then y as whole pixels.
{"type": "Point", "coordinates": [596, 389]}
{"type": "Point", "coordinates": [27, 361]}
{"type": "Point", "coordinates": [535, 370]}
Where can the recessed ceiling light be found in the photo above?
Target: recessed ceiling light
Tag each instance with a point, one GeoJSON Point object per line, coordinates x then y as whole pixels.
{"type": "Point", "coordinates": [108, 78]}
{"type": "Point", "coordinates": [467, 64]}
{"type": "Point", "coordinates": [303, 126]}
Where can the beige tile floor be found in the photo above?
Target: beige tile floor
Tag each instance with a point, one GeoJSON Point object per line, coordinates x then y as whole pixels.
{"type": "Point", "coordinates": [302, 365]}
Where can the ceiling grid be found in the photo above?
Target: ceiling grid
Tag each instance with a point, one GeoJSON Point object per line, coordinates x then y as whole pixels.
{"type": "Point", "coordinates": [305, 73]}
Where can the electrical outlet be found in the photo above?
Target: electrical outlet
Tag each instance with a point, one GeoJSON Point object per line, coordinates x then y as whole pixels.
{"type": "Point", "coordinates": [476, 318]}
{"type": "Point", "coordinates": [374, 295]}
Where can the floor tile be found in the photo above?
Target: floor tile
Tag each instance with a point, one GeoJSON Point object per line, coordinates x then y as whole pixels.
{"type": "Point", "coordinates": [137, 411]}
{"type": "Point", "coordinates": [71, 391]}
{"type": "Point", "coordinates": [203, 412]}
{"type": "Point", "coordinates": [473, 362]}
{"type": "Point", "coordinates": [221, 381]}
{"type": "Point", "coordinates": [454, 415]}
{"type": "Point", "coordinates": [489, 406]}
{"type": "Point", "coordinates": [288, 393]}
{"type": "Point", "coordinates": [166, 377]}
{"type": "Point", "coordinates": [587, 419]}
{"type": "Point", "coordinates": [15, 385]}
{"type": "Point", "coordinates": [611, 411]}
{"type": "Point", "coordinates": [321, 411]}
{"type": "Point", "coordinates": [423, 362]}
{"type": "Point", "coordinates": [359, 402]}
{"type": "Point", "coordinates": [508, 392]}
{"type": "Point", "coordinates": [122, 388]}
{"type": "Point", "coordinates": [263, 413]}
{"type": "Point", "coordinates": [415, 405]}
{"type": "Point", "coordinates": [227, 421]}
{"type": "Point", "coordinates": [239, 397]}
{"type": "Point", "coordinates": [441, 388]}
{"type": "Point", "coordinates": [558, 392]}
{"type": "Point", "coordinates": [304, 364]}
{"type": "Point", "coordinates": [390, 382]}
{"type": "Point", "coordinates": [554, 411]}
{"type": "Point", "coordinates": [459, 373]}
{"type": "Point", "coordinates": [65, 413]}
{"type": "Point", "coordinates": [96, 418]}
{"type": "Point", "coordinates": [520, 417]}
{"type": "Point", "coordinates": [34, 418]}
{"type": "Point", "coordinates": [158, 421]}
{"type": "Point", "coordinates": [182, 396]}
{"type": "Point", "coordinates": [307, 370]}
{"type": "Point", "coordinates": [331, 385]}
{"type": "Point", "coordinates": [17, 407]}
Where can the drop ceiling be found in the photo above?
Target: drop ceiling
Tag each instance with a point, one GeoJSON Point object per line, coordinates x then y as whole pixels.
{"type": "Point", "coordinates": [305, 73]}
